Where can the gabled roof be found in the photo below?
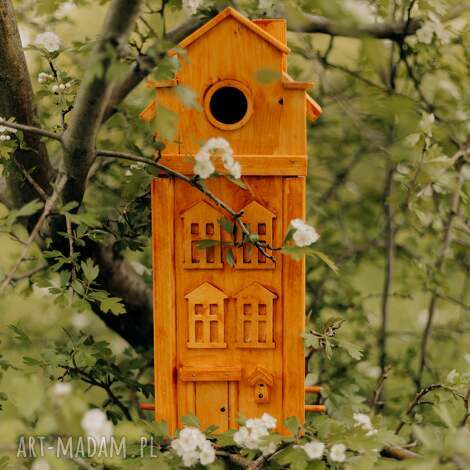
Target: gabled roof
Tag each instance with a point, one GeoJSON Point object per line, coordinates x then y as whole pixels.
{"type": "Point", "coordinates": [205, 293]}
{"type": "Point", "coordinates": [230, 12]}
{"type": "Point", "coordinates": [255, 208]}
{"type": "Point", "coordinates": [201, 208]}
{"type": "Point", "coordinates": [260, 374]}
{"type": "Point", "coordinates": [257, 290]}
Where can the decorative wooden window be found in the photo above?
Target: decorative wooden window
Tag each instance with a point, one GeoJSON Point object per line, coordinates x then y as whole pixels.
{"type": "Point", "coordinates": [254, 314]}
{"type": "Point", "coordinates": [259, 221]}
{"type": "Point", "coordinates": [201, 223]}
{"type": "Point", "coordinates": [206, 311]}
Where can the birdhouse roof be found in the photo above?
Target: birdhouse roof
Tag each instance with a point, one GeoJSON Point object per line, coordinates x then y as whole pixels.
{"type": "Point", "coordinates": [261, 374]}
{"type": "Point", "coordinates": [204, 293]}
{"type": "Point", "coordinates": [230, 12]}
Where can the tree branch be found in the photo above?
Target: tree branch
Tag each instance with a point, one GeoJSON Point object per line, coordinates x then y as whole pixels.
{"type": "Point", "coordinates": [394, 31]}
{"type": "Point", "coordinates": [195, 183]}
{"type": "Point", "coordinates": [16, 100]}
{"type": "Point", "coordinates": [454, 210]}
{"type": "Point", "coordinates": [144, 65]}
{"type": "Point", "coordinates": [93, 95]}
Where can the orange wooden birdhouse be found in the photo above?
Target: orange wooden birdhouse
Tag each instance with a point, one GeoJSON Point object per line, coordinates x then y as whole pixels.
{"type": "Point", "coordinates": [228, 332]}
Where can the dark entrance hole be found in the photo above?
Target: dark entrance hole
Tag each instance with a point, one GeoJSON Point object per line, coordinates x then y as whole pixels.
{"type": "Point", "coordinates": [228, 105]}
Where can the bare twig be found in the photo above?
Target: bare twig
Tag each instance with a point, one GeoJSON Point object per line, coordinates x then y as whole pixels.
{"type": "Point", "coordinates": [31, 180]}
{"type": "Point", "coordinates": [466, 404]}
{"type": "Point", "coordinates": [454, 210]}
{"type": "Point", "coordinates": [374, 401]}
{"type": "Point", "coordinates": [31, 129]}
{"type": "Point", "coordinates": [389, 259]}
{"type": "Point", "coordinates": [71, 251]}
{"type": "Point", "coordinates": [416, 402]}
{"type": "Point", "coordinates": [48, 206]}
{"type": "Point", "coordinates": [31, 272]}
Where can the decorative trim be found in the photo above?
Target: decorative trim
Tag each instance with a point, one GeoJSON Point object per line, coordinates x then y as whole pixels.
{"type": "Point", "coordinates": [209, 374]}
{"type": "Point", "coordinates": [252, 165]}
{"type": "Point", "coordinates": [240, 18]}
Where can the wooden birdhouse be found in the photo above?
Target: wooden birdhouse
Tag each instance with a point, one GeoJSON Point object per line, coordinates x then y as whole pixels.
{"type": "Point", "coordinates": [228, 334]}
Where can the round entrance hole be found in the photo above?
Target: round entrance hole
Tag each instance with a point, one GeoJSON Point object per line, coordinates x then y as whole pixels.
{"type": "Point", "coordinates": [228, 105]}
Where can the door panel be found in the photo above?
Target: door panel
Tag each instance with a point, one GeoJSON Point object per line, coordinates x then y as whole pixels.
{"type": "Point", "coordinates": [212, 404]}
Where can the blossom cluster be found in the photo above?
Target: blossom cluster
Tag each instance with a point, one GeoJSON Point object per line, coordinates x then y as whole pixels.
{"type": "Point", "coordinates": [96, 425]}
{"type": "Point", "coordinates": [316, 449]}
{"type": "Point", "coordinates": [216, 146]}
{"type": "Point", "coordinates": [191, 6]}
{"type": "Point", "coordinates": [363, 421]}
{"type": "Point", "coordinates": [5, 132]}
{"type": "Point", "coordinates": [48, 40]}
{"type": "Point", "coordinates": [46, 78]}
{"type": "Point", "coordinates": [304, 234]}
{"type": "Point", "coordinates": [193, 447]}
{"type": "Point", "coordinates": [253, 434]}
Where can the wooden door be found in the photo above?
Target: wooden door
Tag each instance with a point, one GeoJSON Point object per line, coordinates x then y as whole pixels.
{"type": "Point", "coordinates": [212, 404]}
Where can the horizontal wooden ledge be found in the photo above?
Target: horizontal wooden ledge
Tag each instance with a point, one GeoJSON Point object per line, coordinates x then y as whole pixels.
{"type": "Point", "coordinates": [311, 408]}
{"type": "Point", "coordinates": [315, 408]}
{"type": "Point", "coordinates": [312, 389]}
{"type": "Point", "coordinates": [202, 374]}
{"type": "Point", "coordinates": [252, 165]}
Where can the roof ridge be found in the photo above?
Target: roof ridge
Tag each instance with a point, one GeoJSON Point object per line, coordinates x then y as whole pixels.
{"type": "Point", "coordinates": [229, 11]}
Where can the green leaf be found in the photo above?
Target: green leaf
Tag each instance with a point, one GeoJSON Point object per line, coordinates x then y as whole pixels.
{"type": "Point", "coordinates": [325, 258]}
{"type": "Point", "coordinates": [206, 243]}
{"type": "Point", "coordinates": [21, 336]}
{"type": "Point", "coordinates": [29, 209]}
{"type": "Point", "coordinates": [292, 424]}
{"type": "Point", "coordinates": [113, 305]}
{"type": "Point", "coordinates": [226, 225]}
{"type": "Point", "coordinates": [352, 349]}
{"type": "Point", "coordinates": [230, 258]}
{"type": "Point", "coordinates": [188, 97]}
{"type": "Point", "coordinates": [267, 76]}
{"type": "Point", "coordinates": [165, 123]}
{"type": "Point", "coordinates": [90, 270]}
{"type": "Point", "coordinates": [191, 420]}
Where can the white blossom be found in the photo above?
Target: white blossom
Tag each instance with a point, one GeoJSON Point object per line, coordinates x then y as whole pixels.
{"type": "Point", "coordinates": [191, 6]}
{"type": "Point", "coordinates": [55, 88]}
{"type": "Point", "coordinates": [216, 147]}
{"type": "Point", "coordinates": [234, 169]}
{"type": "Point", "coordinates": [314, 449]}
{"type": "Point", "coordinates": [253, 434]}
{"type": "Point", "coordinates": [204, 169]}
{"type": "Point", "coordinates": [363, 421]}
{"type": "Point", "coordinates": [61, 86]}
{"type": "Point", "coordinates": [193, 447]}
{"type": "Point", "coordinates": [79, 320]}
{"type": "Point", "coordinates": [40, 464]}
{"type": "Point", "coordinates": [96, 425]}
{"type": "Point", "coordinates": [61, 389]}
{"type": "Point", "coordinates": [304, 235]}
{"type": "Point", "coordinates": [338, 453]}
{"type": "Point", "coordinates": [44, 77]}
{"type": "Point", "coordinates": [50, 41]}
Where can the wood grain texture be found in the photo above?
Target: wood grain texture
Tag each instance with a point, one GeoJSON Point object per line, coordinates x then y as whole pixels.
{"type": "Point", "coordinates": [293, 287]}
{"type": "Point", "coordinates": [252, 165]}
{"type": "Point", "coordinates": [164, 301]}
